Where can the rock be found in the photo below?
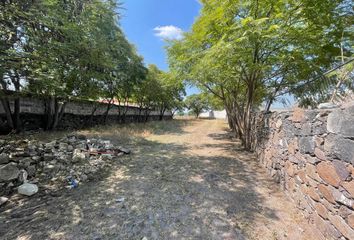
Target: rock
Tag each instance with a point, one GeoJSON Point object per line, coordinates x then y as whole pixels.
{"type": "Point", "coordinates": [9, 172]}
{"type": "Point", "coordinates": [327, 105]}
{"type": "Point", "coordinates": [326, 228]}
{"type": "Point", "coordinates": [279, 123]}
{"type": "Point", "coordinates": [306, 129]}
{"type": "Point", "coordinates": [22, 177]}
{"type": "Point", "coordinates": [36, 159]}
{"type": "Point", "coordinates": [124, 150]}
{"type": "Point", "coordinates": [51, 145]}
{"type": "Point", "coordinates": [351, 220]}
{"type": "Point", "coordinates": [342, 226]}
{"type": "Point", "coordinates": [78, 156]}
{"type": "Point", "coordinates": [50, 168]}
{"type": "Point", "coordinates": [328, 173]}
{"type": "Point", "coordinates": [63, 146]}
{"type": "Point", "coordinates": [81, 137]}
{"type": "Point", "coordinates": [27, 189]}
{"type": "Point", "coordinates": [341, 122]}
{"type": "Point", "coordinates": [48, 157]}
{"type": "Point", "coordinates": [344, 212]}
{"type": "Point", "coordinates": [106, 156]}
{"type": "Point", "coordinates": [4, 158]}
{"type": "Point", "coordinates": [320, 154]}
{"type": "Point", "coordinates": [298, 115]}
{"type": "Point", "coordinates": [313, 194]}
{"type": "Point", "coordinates": [340, 147]}
{"type": "Point", "coordinates": [307, 145]}
{"type": "Point", "coordinates": [319, 129]}
{"type": "Point", "coordinates": [120, 199]}
{"type": "Point", "coordinates": [3, 200]}
{"type": "Point", "coordinates": [349, 186]}
{"type": "Point", "coordinates": [326, 193]}
{"type": "Point", "coordinates": [321, 210]}
{"type": "Point", "coordinates": [293, 146]}
{"type": "Point", "coordinates": [341, 169]}
{"type": "Point", "coordinates": [83, 178]}
{"type": "Point", "coordinates": [31, 170]}
{"type": "Point", "coordinates": [340, 198]}
{"type": "Point", "coordinates": [311, 172]}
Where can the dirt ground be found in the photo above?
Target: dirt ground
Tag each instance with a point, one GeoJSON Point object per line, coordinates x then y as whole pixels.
{"type": "Point", "coordinates": [184, 180]}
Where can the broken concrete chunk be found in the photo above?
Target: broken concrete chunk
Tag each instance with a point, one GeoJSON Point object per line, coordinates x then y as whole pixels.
{"type": "Point", "coordinates": [3, 200]}
{"type": "Point", "coordinates": [78, 156]}
{"type": "Point", "coordinates": [124, 150]}
{"type": "Point", "coordinates": [27, 189]}
{"type": "Point", "coordinates": [9, 172]}
{"type": "Point", "coordinates": [4, 158]}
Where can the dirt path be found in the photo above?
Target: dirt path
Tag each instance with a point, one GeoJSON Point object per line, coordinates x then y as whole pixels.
{"type": "Point", "coordinates": [185, 180]}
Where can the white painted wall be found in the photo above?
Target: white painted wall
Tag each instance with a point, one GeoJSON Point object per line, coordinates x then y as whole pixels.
{"type": "Point", "coordinates": [214, 114]}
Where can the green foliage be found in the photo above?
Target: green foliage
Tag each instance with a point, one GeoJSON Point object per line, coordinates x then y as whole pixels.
{"type": "Point", "coordinates": [160, 91]}
{"type": "Point", "coordinates": [250, 52]}
{"type": "Point", "coordinates": [75, 49]}
{"type": "Point", "coordinates": [197, 103]}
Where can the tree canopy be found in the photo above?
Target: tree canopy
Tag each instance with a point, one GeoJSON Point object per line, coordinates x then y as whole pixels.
{"type": "Point", "coordinates": [251, 52]}
{"type": "Point", "coordinates": [74, 49]}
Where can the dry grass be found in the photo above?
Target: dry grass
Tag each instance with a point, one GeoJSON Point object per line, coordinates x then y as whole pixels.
{"type": "Point", "coordinates": [185, 179]}
{"type": "Point", "coordinates": [125, 132]}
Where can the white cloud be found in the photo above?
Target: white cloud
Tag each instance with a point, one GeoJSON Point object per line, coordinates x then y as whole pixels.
{"type": "Point", "coordinates": [169, 32]}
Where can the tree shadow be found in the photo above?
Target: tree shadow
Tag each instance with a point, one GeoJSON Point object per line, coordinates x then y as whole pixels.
{"type": "Point", "coordinates": [168, 194]}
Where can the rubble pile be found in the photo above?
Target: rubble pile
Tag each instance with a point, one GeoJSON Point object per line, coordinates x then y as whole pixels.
{"type": "Point", "coordinates": [68, 160]}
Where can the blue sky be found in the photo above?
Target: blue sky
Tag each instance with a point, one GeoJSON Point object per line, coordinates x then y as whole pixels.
{"type": "Point", "coordinates": [147, 22]}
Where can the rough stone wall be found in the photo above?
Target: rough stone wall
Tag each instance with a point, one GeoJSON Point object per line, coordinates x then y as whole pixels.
{"type": "Point", "coordinates": [311, 154]}
{"type": "Point", "coordinates": [77, 114]}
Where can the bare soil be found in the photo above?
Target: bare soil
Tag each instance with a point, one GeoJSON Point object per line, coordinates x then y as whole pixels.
{"type": "Point", "coordinates": [184, 180]}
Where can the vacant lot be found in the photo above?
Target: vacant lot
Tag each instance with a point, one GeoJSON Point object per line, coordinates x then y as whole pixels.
{"type": "Point", "coordinates": [184, 180]}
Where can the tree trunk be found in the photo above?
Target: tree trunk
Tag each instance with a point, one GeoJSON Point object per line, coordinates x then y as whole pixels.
{"type": "Point", "coordinates": [107, 111]}
{"type": "Point", "coordinates": [49, 113]}
{"type": "Point", "coordinates": [17, 107]}
{"type": "Point", "coordinates": [59, 113]}
{"type": "Point", "coordinates": [162, 113]}
{"type": "Point", "coordinates": [95, 106]}
{"type": "Point", "coordinates": [147, 114]}
{"type": "Point", "coordinates": [16, 116]}
{"type": "Point", "coordinates": [139, 117]}
{"type": "Point", "coordinates": [6, 105]}
{"type": "Point", "coordinates": [56, 114]}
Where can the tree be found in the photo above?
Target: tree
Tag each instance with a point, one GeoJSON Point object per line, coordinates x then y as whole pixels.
{"type": "Point", "coordinates": [63, 50]}
{"type": "Point", "coordinates": [172, 93]}
{"type": "Point", "coordinates": [196, 103]}
{"type": "Point", "coordinates": [250, 52]}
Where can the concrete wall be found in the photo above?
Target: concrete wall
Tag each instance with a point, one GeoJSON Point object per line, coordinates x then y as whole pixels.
{"type": "Point", "coordinates": [77, 114]}
{"type": "Point", "coordinates": [214, 114]}
{"type": "Point", "coordinates": [311, 154]}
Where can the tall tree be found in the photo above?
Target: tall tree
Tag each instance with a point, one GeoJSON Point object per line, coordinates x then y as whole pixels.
{"type": "Point", "coordinates": [248, 52]}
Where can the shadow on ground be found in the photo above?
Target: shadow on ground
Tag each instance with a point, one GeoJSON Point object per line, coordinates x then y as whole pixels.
{"type": "Point", "coordinates": [169, 193]}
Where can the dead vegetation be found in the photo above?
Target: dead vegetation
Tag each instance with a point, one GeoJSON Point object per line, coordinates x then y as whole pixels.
{"type": "Point", "coordinates": [184, 180]}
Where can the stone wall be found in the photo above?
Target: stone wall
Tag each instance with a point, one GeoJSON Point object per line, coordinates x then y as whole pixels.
{"type": "Point", "coordinates": [311, 154]}
{"type": "Point", "coordinates": [77, 114]}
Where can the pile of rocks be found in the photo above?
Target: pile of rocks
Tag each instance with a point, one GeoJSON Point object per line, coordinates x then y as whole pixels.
{"type": "Point", "coordinates": [72, 157]}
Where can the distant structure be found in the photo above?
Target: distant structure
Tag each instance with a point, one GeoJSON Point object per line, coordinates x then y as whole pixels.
{"type": "Point", "coordinates": [214, 114]}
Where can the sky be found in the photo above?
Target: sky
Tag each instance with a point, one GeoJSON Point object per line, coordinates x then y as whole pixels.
{"type": "Point", "coordinates": [147, 23]}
